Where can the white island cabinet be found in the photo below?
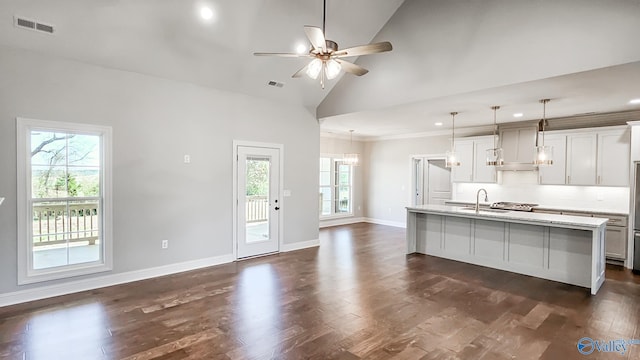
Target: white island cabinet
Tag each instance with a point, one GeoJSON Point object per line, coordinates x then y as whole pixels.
{"type": "Point", "coordinates": [568, 249]}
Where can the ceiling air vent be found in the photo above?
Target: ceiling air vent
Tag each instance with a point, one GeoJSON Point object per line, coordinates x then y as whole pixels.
{"type": "Point", "coordinates": [32, 25]}
{"type": "Point", "coordinates": [275, 83]}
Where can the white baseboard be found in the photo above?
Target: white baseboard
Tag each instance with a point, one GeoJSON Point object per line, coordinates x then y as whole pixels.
{"type": "Point", "coordinates": [386, 222]}
{"type": "Point", "coordinates": [300, 245]}
{"type": "Point", "coordinates": [44, 292]}
{"type": "Point", "coordinates": [341, 221]}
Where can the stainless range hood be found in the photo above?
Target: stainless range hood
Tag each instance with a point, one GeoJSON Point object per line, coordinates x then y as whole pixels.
{"type": "Point", "coordinates": [518, 143]}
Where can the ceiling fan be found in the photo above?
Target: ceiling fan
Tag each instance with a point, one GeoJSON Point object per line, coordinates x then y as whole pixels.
{"type": "Point", "coordinates": [326, 59]}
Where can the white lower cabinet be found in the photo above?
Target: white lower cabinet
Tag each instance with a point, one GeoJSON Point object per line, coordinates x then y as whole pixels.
{"type": "Point", "coordinates": [615, 236]}
{"type": "Point", "coordinates": [616, 242]}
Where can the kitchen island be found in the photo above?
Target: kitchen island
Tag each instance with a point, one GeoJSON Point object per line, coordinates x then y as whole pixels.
{"type": "Point", "coordinates": [568, 249]}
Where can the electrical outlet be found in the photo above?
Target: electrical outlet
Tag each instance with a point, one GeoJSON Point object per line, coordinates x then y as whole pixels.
{"type": "Point", "coordinates": [165, 244]}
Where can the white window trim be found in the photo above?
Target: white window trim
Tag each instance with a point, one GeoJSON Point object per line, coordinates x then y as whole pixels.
{"type": "Point", "coordinates": [334, 158]}
{"type": "Point", "coordinates": [25, 274]}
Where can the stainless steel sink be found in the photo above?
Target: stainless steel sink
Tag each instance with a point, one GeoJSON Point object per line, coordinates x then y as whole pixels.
{"type": "Point", "coordinates": [472, 208]}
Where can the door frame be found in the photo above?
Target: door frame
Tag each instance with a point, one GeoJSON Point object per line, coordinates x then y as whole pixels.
{"type": "Point", "coordinates": [280, 148]}
{"type": "Point", "coordinates": [425, 159]}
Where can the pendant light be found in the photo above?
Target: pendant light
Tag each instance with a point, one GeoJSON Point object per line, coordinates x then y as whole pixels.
{"type": "Point", "coordinates": [544, 154]}
{"type": "Point", "coordinates": [351, 158]}
{"type": "Point", "coordinates": [451, 156]}
{"type": "Point", "coordinates": [494, 156]}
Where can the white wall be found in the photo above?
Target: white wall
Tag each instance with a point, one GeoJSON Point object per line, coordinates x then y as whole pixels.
{"type": "Point", "coordinates": [523, 187]}
{"type": "Point", "coordinates": [330, 145]}
{"type": "Point", "coordinates": [388, 175]}
{"type": "Point", "coordinates": [155, 123]}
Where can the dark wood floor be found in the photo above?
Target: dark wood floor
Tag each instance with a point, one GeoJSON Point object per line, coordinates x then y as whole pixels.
{"type": "Point", "coordinates": [357, 296]}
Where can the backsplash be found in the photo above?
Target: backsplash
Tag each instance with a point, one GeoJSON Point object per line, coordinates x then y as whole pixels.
{"type": "Point", "coordinates": [523, 187]}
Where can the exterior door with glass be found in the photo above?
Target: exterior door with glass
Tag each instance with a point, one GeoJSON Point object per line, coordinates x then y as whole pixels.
{"type": "Point", "coordinates": [258, 201]}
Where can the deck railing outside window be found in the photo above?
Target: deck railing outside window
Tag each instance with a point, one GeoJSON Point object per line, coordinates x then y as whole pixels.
{"type": "Point", "coordinates": [62, 223]}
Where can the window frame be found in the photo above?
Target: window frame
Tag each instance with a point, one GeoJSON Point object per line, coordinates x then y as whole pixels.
{"type": "Point", "coordinates": [334, 161]}
{"type": "Point", "coordinates": [26, 273]}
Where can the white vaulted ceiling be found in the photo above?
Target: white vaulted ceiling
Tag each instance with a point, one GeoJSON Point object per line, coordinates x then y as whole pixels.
{"type": "Point", "coordinates": [449, 55]}
{"type": "Point", "coordinates": [167, 38]}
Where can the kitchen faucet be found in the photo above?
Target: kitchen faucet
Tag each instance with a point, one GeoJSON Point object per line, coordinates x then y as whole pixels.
{"type": "Point", "coordinates": [486, 198]}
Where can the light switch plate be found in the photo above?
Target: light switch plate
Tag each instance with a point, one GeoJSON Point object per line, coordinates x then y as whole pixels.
{"type": "Point", "coordinates": [1, 200]}
{"type": "Point", "coordinates": [286, 193]}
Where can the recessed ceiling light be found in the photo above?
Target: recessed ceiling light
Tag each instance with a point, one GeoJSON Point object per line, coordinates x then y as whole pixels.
{"type": "Point", "coordinates": [518, 115]}
{"type": "Point", "coordinates": [206, 13]}
{"type": "Point", "coordinates": [634, 101]}
{"type": "Point", "coordinates": [301, 48]}
{"type": "Point", "coordinates": [438, 124]}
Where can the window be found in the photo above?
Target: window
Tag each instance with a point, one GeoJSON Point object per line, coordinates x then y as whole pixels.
{"type": "Point", "coordinates": [64, 208]}
{"type": "Point", "coordinates": [335, 187]}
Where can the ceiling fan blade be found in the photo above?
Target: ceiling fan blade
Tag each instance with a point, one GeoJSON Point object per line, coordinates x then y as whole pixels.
{"type": "Point", "coordinates": [300, 72]}
{"type": "Point", "coordinates": [364, 49]}
{"type": "Point", "coordinates": [352, 68]}
{"type": "Point", "coordinates": [280, 54]}
{"type": "Point", "coordinates": [316, 37]}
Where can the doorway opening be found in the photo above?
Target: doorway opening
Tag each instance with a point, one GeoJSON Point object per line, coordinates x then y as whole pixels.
{"type": "Point", "coordinates": [431, 180]}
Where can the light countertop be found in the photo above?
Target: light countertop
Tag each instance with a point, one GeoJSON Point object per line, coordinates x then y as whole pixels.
{"type": "Point", "coordinates": [513, 216]}
{"type": "Point", "coordinates": [551, 208]}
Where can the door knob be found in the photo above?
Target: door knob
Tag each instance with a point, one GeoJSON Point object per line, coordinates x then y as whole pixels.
{"type": "Point", "coordinates": [277, 208]}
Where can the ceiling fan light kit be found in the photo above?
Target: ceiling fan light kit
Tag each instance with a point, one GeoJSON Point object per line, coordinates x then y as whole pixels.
{"type": "Point", "coordinates": [327, 62]}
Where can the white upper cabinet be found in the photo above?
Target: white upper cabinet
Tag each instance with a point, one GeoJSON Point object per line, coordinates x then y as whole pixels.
{"type": "Point", "coordinates": [555, 174]}
{"type": "Point", "coordinates": [613, 157]}
{"type": "Point", "coordinates": [581, 158]}
{"type": "Point", "coordinates": [481, 171]}
{"type": "Point", "coordinates": [472, 155]}
{"type": "Point", "coordinates": [599, 157]}
{"type": "Point", "coordinates": [464, 172]}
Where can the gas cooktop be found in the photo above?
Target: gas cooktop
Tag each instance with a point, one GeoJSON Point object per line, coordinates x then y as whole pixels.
{"type": "Point", "coordinates": [513, 206]}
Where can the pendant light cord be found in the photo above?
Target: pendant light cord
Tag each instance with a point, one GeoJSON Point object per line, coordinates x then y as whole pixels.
{"type": "Point", "coordinates": [495, 126]}
{"type": "Point", "coordinates": [351, 141]}
{"type": "Point", "coordinates": [453, 130]}
{"type": "Point", "coordinates": [544, 116]}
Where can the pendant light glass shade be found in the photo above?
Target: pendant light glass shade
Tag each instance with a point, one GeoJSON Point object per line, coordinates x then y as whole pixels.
{"type": "Point", "coordinates": [494, 156]}
{"type": "Point", "coordinates": [543, 154]}
{"type": "Point", "coordinates": [451, 158]}
{"type": "Point", "coordinates": [352, 158]}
